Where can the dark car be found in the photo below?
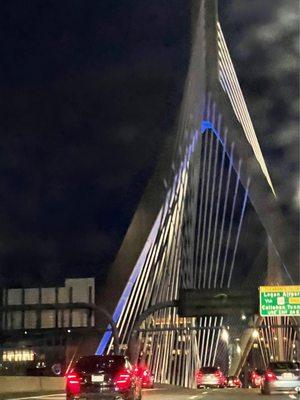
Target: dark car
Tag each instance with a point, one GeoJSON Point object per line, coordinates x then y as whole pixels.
{"type": "Point", "coordinates": [256, 378]}
{"type": "Point", "coordinates": [233, 382]}
{"type": "Point", "coordinates": [103, 377]}
{"type": "Point", "coordinates": [145, 375]}
{"type": "Point", "coordinates": [281, 376]}
{"type": "Point", "coordinates": [210, 377]}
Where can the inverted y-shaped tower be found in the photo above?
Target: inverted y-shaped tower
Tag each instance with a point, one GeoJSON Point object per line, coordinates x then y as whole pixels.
{"type": "Point", "coordinates": [190, 229]}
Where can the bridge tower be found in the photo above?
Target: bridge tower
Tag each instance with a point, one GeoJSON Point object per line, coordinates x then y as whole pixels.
{"type": "Point", "coordinates": [194, 225]}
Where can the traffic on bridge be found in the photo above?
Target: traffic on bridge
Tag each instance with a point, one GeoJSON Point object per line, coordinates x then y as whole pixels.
{"type": "Point", "coordinates": [149, 235]}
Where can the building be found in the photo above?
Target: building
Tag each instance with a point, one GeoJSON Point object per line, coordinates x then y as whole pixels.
{"type": "Point", "coordinates": [42, 329]}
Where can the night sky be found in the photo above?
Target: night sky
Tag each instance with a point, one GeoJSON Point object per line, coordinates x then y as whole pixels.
{"type": "Point", "coordinates": [89, 92]}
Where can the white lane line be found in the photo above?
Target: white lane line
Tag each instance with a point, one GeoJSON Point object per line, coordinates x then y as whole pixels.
{"type": "Point", "coordinates": [292, 396]}
{"type": "Point", "coordinates": [39, 397]}
{"type": "Point", "coordinates": [57, 396]}
{"type": "Point", "coordinates": [194, 397]}
{"type": "Point", "coordinates": [23, 398]}
{"type": "Point", "coordinates": [63, 396]}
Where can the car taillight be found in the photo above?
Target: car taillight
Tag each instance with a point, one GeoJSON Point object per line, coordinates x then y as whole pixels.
{"type": "Point", "coordinates": [270, 376]}
{"type": "Point", "coordinates": [199, 376]}
{"type": "Point", "coordinates": [123, 380]}
{"type": "Point", "coordinates": [73, 384]}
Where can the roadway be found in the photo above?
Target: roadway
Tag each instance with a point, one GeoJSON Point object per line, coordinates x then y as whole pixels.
{"type": "Point", "coordinates": [176, 393]}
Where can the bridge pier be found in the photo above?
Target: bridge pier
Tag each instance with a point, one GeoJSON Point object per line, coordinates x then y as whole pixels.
{"type": "Point", "coordinates": [246, 343]}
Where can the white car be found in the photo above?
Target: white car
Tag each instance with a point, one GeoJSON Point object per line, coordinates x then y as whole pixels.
{"type": "Point", "coordinates": [281, 376]}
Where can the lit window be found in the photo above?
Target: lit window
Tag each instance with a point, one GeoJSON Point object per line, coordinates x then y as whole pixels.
{"type": "Point", "coordinates": [18, 355]}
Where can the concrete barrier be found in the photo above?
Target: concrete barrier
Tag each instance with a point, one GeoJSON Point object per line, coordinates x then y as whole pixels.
{"type": "Point", "coordinates": [17, 384]}
{"type": "Point", "coordinates": [52, 383]}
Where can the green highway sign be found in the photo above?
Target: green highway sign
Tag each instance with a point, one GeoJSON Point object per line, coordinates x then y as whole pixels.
{"type": "Point", "coordinates": [279, 300]}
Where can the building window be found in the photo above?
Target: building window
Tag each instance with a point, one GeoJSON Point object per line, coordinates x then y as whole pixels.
{"type": "Point", "coordinates": [48, 319]}
{"type": "Point", "coordinates": [30, 319]}
{"type": "Point", "coordinates": [63, 318]}
{"type": "Point", "coordinates": [80, 318]}
{"type": "Point", "coordinates": [48, 295]}
{"type": "Point", "coordinates": [17, 355]}
{"type": "Point", "coordinates": [16, 319]}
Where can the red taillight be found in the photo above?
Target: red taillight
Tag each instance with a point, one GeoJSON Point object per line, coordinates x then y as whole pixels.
{"type": "Point", "coordinates": [218, 375]}
{"type": "Point", "coordinates": [270, 376]}
{"type": "Point", "coordinates": [73, 384]}
{"type": "Point", "coordinates": [199, 376]}
{"type": "Point", "coordinates": [123, 380]}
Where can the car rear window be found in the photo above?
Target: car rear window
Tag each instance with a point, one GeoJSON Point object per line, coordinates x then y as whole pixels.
{"type": "Point", "coordinates": [284, 365]}
{"type": "Point", "coordinates": [209, 370]}
{"type": "Point", "coordinates": [93, 364]}
{"type": "Point", "coordinates": [260, 371]}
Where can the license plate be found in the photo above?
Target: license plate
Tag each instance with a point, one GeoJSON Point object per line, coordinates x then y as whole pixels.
{"type": "Point", "coordinates": [209, 378]}
{"type": "Point", "coordinates": [287, 375]}
{"type": "Point", "coordinates": [97, 378]}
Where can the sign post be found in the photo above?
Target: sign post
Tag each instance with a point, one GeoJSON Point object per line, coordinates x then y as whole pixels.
{"type": "Point", "coordinates": [279, 301]}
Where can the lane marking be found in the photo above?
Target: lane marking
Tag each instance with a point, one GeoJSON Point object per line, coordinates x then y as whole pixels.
{"type": "Point", "coordinates": [57, 395]}
{"type": "Point", "coordinates": [292, 396]}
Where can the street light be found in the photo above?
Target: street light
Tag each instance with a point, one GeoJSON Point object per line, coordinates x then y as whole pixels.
{"type": "Point", "coordinates": [255, 334]}
{"type": "Point", "coordinates": [225, 335]}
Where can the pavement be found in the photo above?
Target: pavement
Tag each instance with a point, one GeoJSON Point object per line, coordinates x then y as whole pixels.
{"type": "Point", "coordinates": [177, 393]}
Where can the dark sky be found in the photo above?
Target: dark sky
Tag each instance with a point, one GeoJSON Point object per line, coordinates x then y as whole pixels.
{"type": "Point", "coordinates": [89, 92]}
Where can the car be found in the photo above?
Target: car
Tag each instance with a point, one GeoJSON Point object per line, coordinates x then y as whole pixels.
{"type": "Point", "coordinates": [234, 382]}
{"type": "Point", "coordinates": [146, 376]}
{"type": "Point", "coordinates": [256, 378]}
{"type": "Point", "coordinates": [210, 377]}
{"type": "Point", "coordinates": [103, 377]}
{"type": "Point", "coordinates": [281, 376]}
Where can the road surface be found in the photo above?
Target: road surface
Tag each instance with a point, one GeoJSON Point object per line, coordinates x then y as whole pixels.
{"type": "Point", "coordinates": [176, 393]}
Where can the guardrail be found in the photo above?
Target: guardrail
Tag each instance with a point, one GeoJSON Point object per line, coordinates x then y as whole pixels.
{"type": "Point", "coordinates": [18, 384]}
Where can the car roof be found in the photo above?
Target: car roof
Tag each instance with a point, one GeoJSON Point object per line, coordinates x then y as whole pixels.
{"type": "Point", "coordinates": [106, 357]}
{"type": "Point", "coordinates": [210, 368]}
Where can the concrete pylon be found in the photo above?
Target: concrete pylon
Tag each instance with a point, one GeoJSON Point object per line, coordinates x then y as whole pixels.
{"type": "Point", "coordinates": [246, 343]}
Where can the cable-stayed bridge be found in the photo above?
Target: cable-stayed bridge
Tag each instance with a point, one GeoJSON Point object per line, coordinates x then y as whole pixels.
{"type": "Point", "coordinates": [207, 220]}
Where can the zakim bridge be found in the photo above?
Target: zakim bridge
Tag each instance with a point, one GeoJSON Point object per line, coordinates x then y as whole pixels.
{"type": "Point", "coordinates": [211, 193]}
